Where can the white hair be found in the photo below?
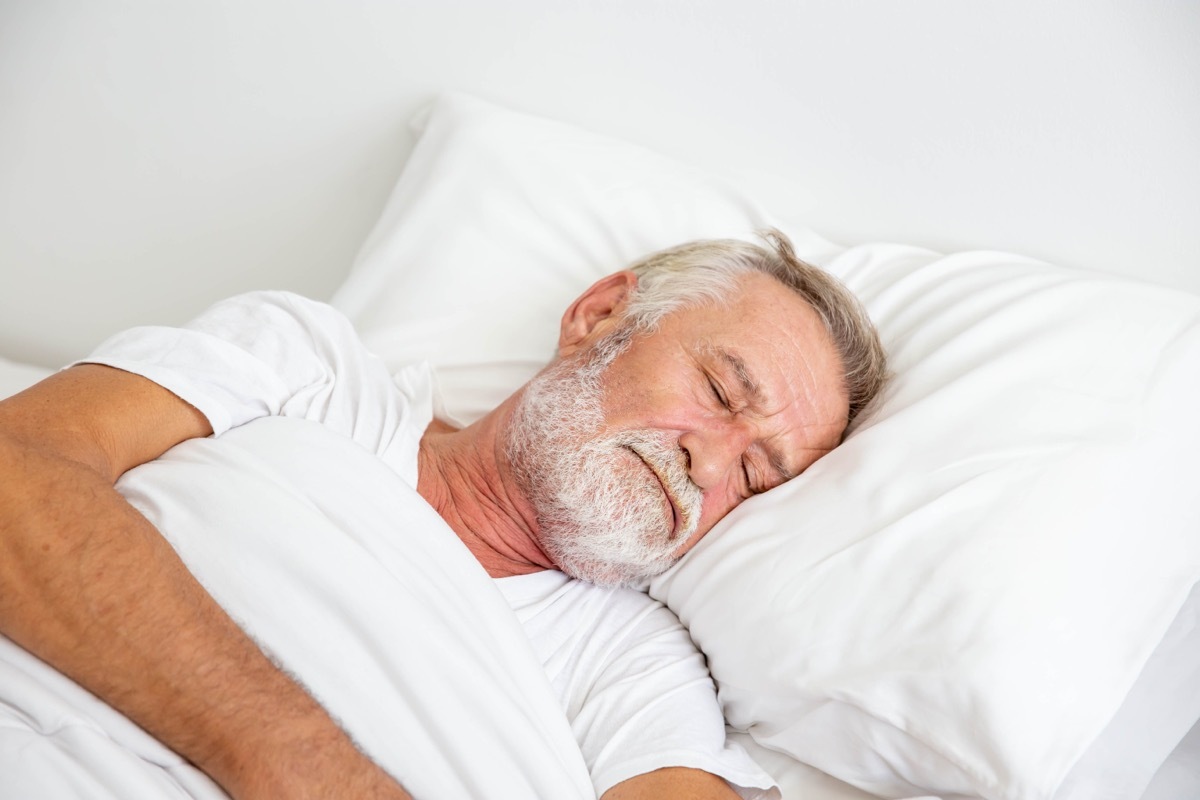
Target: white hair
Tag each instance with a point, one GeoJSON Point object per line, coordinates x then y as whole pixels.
{"type": "Point", "coordinates": [709, 271]}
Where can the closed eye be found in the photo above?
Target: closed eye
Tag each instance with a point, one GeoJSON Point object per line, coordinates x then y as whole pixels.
{"type": "Point", "coordinates": [717, 393]}
{"type": "Point", "coordinates": [750, 490]}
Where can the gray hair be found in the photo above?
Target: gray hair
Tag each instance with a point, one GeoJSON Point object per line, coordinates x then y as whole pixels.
{"type": "Point", "coordinates": [707, 271]}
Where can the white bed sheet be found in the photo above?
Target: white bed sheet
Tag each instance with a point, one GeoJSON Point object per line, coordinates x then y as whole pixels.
{"type": "Point", "coordinates": [356, 587]}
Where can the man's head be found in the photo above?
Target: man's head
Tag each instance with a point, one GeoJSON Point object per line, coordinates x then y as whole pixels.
{"type": "Point", "coordinates": [704, 374]}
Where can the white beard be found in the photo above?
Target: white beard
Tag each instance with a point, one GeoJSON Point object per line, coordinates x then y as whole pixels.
{"type": "Point", "coordinates": [601, 513]}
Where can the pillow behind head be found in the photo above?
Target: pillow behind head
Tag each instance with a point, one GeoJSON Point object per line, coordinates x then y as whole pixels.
{"type": "Point", "coordinates": [499, 221]}
{"type": "Point", "coordinates": [970, 585]}
{"type": "Point", "coordinates": [959, 597]}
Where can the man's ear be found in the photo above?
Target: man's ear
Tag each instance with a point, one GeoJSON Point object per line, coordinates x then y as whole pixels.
{"type": "Point", "coordinates": [595, 312]}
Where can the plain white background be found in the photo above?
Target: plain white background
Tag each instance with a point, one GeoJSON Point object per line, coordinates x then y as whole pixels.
{"type": "Point", "coordinates": [157, 156]}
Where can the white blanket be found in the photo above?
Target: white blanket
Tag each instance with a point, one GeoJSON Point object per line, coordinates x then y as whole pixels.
{"type": "Point", "coordinates": [355, 584]}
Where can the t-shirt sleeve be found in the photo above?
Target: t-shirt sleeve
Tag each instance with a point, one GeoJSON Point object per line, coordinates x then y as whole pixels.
{"type": "Point", "coordinates": [277, 354]}
{"type": "Point", "coordinates": [651, 704]}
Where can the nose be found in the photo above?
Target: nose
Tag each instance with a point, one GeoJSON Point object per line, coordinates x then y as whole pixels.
{"type": "Point", "coordinates": [715, 449]}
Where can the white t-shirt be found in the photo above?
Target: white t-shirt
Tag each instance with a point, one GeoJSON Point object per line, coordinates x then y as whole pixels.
{"type": "Point", "coordinates": [635, 689]}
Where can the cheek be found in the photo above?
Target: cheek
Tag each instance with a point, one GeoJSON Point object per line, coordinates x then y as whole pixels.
{"type": "Point", "coordinates": [639, 404]}
{"type": "Point", "coordinates": [646, 386]}
{"type": "Point", "coordinates": [716, 506]}
{"type": "Point", "coordinates": [718, 502]}
{"type": "Point", "coordinates": [690, 543]}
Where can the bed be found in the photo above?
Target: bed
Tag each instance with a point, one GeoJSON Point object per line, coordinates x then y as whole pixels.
{"type": "Point", "coordinates": [989, 589]}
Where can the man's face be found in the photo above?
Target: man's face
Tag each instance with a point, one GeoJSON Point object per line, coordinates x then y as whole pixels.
{"type": "Point", "coordinates": [628, 464]}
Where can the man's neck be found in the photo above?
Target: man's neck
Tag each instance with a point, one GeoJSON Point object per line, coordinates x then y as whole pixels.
{"type": "Point", "coordinates": [465, 476]}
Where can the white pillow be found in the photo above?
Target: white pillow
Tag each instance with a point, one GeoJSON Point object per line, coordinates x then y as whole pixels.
{"type": "Point", "coordinates": [958, 598]}
{"type": "Point", "coordinates": [971, 584]}
{"type": "Point", "coordinates": [498, 222]}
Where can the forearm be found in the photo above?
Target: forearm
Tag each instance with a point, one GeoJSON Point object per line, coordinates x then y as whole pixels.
{"type": "Point", "coordinates": [672, 782]}
{"type": "Point", "coordinates": [91, 587]}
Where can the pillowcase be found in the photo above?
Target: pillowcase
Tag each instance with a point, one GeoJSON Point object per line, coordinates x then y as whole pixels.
{"type": "Point", "coordinates": [960, 597]}
{"type": "Point", "coordinates": [970, 585]}
{"type": "Point", "coordinates": [498, 222]}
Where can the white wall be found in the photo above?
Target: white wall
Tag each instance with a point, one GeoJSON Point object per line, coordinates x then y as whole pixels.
{"type": "Point", "coordinates": [155, 156]}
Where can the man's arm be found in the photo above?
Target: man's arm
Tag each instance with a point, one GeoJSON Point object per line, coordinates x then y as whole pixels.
{"type": "Point", "coordinates": [677, 782]}
{"type": "Point", "coordinates": [87, 584]}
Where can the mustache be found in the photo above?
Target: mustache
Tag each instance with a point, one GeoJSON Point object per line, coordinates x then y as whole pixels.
{"type": "Point", "coordinates": [668, 462]}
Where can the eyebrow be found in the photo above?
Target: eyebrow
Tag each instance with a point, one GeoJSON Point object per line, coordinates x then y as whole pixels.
{"type": "Point", "coordinates": [753, 390]}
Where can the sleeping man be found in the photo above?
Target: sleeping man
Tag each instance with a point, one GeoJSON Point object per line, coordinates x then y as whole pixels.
{"type": "Point", "coordinates": [699, 377]}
